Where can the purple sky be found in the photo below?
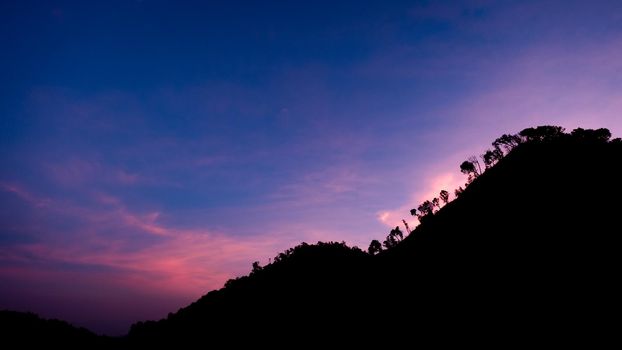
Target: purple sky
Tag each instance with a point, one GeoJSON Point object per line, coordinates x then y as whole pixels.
{"type": "Point", "coordinates": [151, 150]}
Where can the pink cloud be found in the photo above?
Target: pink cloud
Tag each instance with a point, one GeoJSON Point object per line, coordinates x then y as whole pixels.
{"type": "Point", "coordinates": [146, 223]}
{"type": "Point", "coordinates": [445, 180]}
{"type": "Point", "coordinates": [25, 195]}
{"type": "Point", "coordinates": [73, 171]}
{"type": "Point", "coordinates": [184, 261]}
{"type": "Point", "coordinates": [188, 264]}
{"type": "Point", "coordinates": [106, 199]}
{"type": "Point", "coordinates": [76, 172]}
{"type": "Point", "coordinates": [323, 186]}
{"type": "Point", "coordinates": [127, 178]}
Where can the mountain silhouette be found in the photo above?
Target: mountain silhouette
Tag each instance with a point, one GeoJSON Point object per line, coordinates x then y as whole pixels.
{"type": "Point", "coordinates": [26, 330]}
{"type": "Point", "coordinates": [528, 252]}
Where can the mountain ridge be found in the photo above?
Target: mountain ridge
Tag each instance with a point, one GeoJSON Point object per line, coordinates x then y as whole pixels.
{"type": "Point", "coordinates": [511, 244]}
{"type": "Point", "coordinates": [530, 238]}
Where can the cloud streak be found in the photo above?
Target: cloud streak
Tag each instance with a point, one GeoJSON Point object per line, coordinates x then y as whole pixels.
{"type": "Point", "coordinates": [25, 195]}
{"type": "Point", "coordinates": [177, 263]}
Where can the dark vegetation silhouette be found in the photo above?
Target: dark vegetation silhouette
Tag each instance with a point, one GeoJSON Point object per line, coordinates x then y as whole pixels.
{"type": "Point", "coordinates": [21, 330]}
{"type": "Point", "coordinates": [527, 250]}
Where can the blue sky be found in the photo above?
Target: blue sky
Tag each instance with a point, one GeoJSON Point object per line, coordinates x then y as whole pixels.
{"type": "Point", "coordinates": [152, 149]}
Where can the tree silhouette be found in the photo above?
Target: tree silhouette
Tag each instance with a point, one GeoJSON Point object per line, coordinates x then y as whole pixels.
{"type": "Point", "coordinates": [542, 133]}
{"type": "Point", "coordinates": [406, 226]}
{"type": "Point", "coordinates": [436, 203]}
{"type": "Point", "coordinates": [256, 267]}
{"type": "Point", "coordinates": [475, 161]}
{"type": "Point", "coordinates": [397, 233]}
{"type": "Point", "coordinates": [472, 167]}
{"type": "Point", "coordinates": [444, 196]}
{"type": "Point", "coordinates": [458, 191]}
{"type": "Point", "coordinates": [425, 209]}
{"type": "Point", "coordinates": [374, 247]}
{"type": "Point", "coordinates": [491, 157]}
{"type": "Point", "coordinates": [598, 135]}
{"type": "Point", "coordinates": [467, 167]}
{"type": "Point", "coordinates": [507, 142]}
{"type": "Point", "coordinates": [394, 237]}
{"type": "Point", "coordinates": [389, 242]}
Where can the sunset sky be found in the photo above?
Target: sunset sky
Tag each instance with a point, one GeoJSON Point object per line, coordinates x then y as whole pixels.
{"type": "Point", "coordinates": [150, 150]}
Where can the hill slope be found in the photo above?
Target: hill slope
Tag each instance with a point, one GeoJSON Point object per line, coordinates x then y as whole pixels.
{"type": "Point", "coordinates": [528, 252]}
{"type": "Point", "coordinates": [27, 330]}
{"type": "Point", "coordinates": [531, 246]}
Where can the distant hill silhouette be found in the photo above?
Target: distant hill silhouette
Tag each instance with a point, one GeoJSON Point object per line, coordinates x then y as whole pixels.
{"type": "Point", "coordinates": [529, 251]}
{"type": "Point", "coordinates": [27, 330]}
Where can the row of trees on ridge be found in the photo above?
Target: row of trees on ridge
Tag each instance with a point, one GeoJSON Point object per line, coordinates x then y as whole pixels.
{"type": "Point", "coordinates": [475, 166]}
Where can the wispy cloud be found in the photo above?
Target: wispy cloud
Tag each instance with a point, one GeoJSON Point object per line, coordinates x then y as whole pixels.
{"type": "Point", "coordinates": [449, 181]}
{"type": "Point", "coordinates": [25, 195]}
{"type": "Point", "coordinates": [136, 252]}
{"type": "Point", "coordinates": [79, 172]}
{"type": "Point", "coordinates": [324, 185]}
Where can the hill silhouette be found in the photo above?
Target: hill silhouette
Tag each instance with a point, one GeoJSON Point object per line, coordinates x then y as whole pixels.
{"type": "Point", "coordinates": [528, 251]}
{"type": "Point", "coordinates": [26, 330]}
{"type": "Point", "coordinates": [528, 248]}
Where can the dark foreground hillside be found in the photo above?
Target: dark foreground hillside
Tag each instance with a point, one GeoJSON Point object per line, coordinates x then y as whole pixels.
{"type": "Point", "coordinates": [529, 249]}
{"type": "Point", "coordinates": [529, 252]}
{"type": "Point", "coordinates": [20, 330]}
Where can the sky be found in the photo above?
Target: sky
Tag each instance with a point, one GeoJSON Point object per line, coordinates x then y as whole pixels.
{"type": "Point", "coordinates": [151, 150]}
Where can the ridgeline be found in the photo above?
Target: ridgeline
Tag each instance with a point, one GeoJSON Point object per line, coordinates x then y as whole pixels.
{"type": "Point", "coordinates": [528, 250]}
